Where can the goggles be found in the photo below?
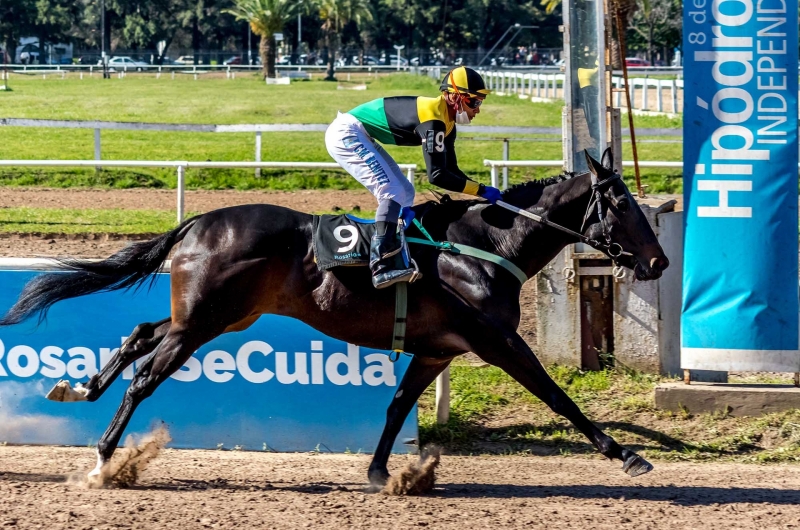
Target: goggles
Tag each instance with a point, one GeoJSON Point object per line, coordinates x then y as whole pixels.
{"type": "Point", "coordinates": [472, 103]}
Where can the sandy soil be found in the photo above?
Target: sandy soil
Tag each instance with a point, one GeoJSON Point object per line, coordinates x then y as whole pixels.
{"type": "Point", "coordinates": [213, 489]}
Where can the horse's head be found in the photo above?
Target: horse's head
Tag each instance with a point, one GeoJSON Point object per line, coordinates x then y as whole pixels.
{"type": "Point", "coordinates": [621, 228]}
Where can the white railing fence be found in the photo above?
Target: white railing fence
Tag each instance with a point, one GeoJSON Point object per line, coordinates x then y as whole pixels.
{"type": "Point", "coordinates": [181, 166]}
{"type": "Point", "coordinates": [543, 85]}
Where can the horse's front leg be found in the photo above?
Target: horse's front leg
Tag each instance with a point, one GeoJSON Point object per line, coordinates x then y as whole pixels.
{"type": "Point", "coordinates": [509, 352]}
{"type": "Point", "coordinates": [421, 373]}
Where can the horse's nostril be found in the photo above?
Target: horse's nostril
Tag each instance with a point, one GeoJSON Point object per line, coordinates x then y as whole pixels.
{"type": "Point", "coordinates": [659, 264]}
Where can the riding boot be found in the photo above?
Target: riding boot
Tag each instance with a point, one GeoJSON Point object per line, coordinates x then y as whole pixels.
{"type": "Point", "coordinates": [385, 257]}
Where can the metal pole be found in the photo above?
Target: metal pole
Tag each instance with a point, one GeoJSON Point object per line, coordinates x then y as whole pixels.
{"type": "Point", "coordinates": [249, 52]}
{"type": "Point", "coordinates": [258, 153]}
{"type": "Point", "coordinates": [181, 184]}
{"type": "Point", "coordinates": [102, 39]}
{"type": "Point", "coordinates": [443, 397]}
{"type": "Point", "coordinates": [506, 158]}
{"type": "Point", "coordinates": [97, 148]}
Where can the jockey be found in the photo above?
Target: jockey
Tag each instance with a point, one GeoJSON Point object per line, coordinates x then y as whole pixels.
{"type": "Point", "coordinates": [352, 140]}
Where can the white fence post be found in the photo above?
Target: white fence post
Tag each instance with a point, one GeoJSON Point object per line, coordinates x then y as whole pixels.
{"type": "Point", "coordinates": [410, 175]}
{"type": "Point", "coordinates": [659, 98]}
{"type": "Point", "coordinates": [506, 158]}
{"type": "Point", "coordinates": [181, 185]}
{"type": "Point", "coordinates": [674, 96]}
{"type": "Point", "coordinates": [258, 153]}
{"type": "Point", "coordinates": [443, 396]}
{"type": "Point", "coordinates": [97, 155]}
{"type": "Point", "coordinates": [494, 177]}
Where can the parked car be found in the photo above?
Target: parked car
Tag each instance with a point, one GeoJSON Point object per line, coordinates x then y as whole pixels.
{"type": "Point", "coordinates": [286, 60]}
{"type": "Point", "coordinates": [186, 59]}
{"type": "Point", "coordinates": [236, 59]}
{"type": "Point", "coordinates": [124, 63]}
{"type": "Point", "coordinates": [313, 59]}
{"type": "Point", "coordinates": [393, 60]}
{"type": "Point", "coordinates": [634, 62]}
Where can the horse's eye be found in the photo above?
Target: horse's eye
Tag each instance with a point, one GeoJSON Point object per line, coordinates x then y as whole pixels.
{"type": "Point", "coordinates": [623, 205]}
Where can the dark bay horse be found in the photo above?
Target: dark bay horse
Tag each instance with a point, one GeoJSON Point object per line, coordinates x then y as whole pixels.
{"type": "Point", "coordinates": [235, 264]}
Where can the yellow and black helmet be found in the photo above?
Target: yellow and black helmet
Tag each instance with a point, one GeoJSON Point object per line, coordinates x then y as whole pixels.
{"type": "Point", "coordinates": [464, 81]}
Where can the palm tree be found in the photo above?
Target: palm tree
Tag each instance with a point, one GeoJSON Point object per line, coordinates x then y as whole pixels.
{"type": "Point", "coordinates": [266, 18]}
{"type": "Point", "coordinates": [335, 15]}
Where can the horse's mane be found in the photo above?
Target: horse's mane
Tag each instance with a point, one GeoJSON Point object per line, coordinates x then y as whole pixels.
{"type": "Point", "coordinates": [445, 210]}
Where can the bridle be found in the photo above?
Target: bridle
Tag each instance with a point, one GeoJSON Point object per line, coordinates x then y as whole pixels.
{"type": "Point", "coordinates": [614, 250]}
{"type": "Point", "coordinates": [607, 246]}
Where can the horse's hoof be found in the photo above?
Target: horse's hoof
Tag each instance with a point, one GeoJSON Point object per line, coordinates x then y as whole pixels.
{"type": "Point", "coordinates": [64, 393]}
{"type": "Point", "coordinates": [635, 465]}
{"type": "Point", "coordinates": [377, 480]}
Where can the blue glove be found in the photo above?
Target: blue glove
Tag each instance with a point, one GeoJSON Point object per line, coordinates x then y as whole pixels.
{"type": "Point", "coordinates": [489, 193]}
{"type": "Point", "coordinates": [407, 216]}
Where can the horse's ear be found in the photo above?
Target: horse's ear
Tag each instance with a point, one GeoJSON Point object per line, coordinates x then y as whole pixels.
{"type": "Point", "coordinates": [607, 160]}
{"type": "Point", "coordinates": [594, 165]}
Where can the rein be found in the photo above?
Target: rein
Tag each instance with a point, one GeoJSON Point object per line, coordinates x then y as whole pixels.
{"type": "Point", "coordinates": [614, 250]}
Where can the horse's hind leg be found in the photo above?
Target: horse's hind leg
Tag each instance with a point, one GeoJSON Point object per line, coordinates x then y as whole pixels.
{"type": "Point", "coordinates": [143, 340]}
{"type": "Point", "coordinates": [421, 373]}
{"type": "Point", "coordinates": [509, 352]}
{"type": "Point", "coordinates": [174, 350]}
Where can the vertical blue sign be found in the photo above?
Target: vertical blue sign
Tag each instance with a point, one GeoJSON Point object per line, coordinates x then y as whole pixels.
{"type": "Point", "coordinates": [740, 279]}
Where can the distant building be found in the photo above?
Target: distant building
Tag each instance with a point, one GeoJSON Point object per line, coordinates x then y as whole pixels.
{"type": "Point", "coordinates": [28, 52]}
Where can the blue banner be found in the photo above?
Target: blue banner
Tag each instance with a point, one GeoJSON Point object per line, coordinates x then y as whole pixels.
{"type": "Point", "coordinates": [740, 279]}
{"type": "Point", "coordinates": [279, 385]}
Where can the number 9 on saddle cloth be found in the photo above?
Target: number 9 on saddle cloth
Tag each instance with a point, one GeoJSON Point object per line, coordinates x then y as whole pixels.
{"type": "Point", "coordinates": [344, 240]}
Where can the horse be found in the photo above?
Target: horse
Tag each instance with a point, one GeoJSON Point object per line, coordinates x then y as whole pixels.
{"type": "Point", "coordinates": [235, 264]}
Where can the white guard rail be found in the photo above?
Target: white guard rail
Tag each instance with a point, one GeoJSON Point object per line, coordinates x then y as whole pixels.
{"type": "Point", "coordinates": [181, 167]}
{"type": "Point", "coordinates": [495, 164]}
{"type": "Point", "coordinates": [547, 85]}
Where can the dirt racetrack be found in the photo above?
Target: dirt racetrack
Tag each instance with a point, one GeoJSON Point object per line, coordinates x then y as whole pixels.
{"type": "Point", "coordinates": [215, 489]}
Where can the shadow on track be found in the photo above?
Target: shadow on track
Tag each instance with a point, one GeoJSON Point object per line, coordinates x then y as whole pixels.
{"type": "Point", "coordinates": [679, 495]}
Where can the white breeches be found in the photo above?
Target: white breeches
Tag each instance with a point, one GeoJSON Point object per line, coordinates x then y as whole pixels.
{"type": "Point", "coordinates": [349, 144]}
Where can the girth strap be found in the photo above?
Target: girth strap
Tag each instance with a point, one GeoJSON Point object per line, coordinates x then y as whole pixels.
{"type": "Point", "coordinates": [400, 312]}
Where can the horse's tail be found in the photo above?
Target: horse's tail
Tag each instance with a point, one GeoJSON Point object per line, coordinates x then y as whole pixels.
{"type": "Point", "coordinates": [127, 268]}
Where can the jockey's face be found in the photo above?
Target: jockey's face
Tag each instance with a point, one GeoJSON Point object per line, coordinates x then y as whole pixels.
{"type": "Point", "coordinates": [465, 103]}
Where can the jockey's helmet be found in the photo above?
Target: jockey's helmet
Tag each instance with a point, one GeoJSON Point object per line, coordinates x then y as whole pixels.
{"type": "Point", "coordinates": [465, 81]}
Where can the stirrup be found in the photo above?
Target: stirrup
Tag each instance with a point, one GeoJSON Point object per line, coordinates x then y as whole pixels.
{"type": "Point", "coordinates": [408, 261]}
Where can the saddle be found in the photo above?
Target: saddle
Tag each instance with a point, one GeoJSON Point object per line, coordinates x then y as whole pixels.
{"type": "Point", "coordinates": [341, 240]}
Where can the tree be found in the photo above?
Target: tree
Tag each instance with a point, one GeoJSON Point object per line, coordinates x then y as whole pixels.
{"type": "Point", "coordinates": [54, 20]}
{"type": "Point", "coordinates": [335, 15]}
{"type": "Point", "coordinates": [266, 18]}
{"type": "Point", "coordinates": [17, 18]}
{"type": "Point", "coordinates": [657, 23]}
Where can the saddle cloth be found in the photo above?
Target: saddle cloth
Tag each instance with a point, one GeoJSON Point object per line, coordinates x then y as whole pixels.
{"type": "Point", "coordinates": [341, 240]}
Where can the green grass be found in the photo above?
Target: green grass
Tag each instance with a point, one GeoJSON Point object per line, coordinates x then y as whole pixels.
{"type": "Point", "coordinates": [78, 221]}
{"type": "Point", "coordinates": [111, 221]}
{"type": "Point", "coordinates": [491, 413]}
{"type": "Point", "coordinates": [246, 100]}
